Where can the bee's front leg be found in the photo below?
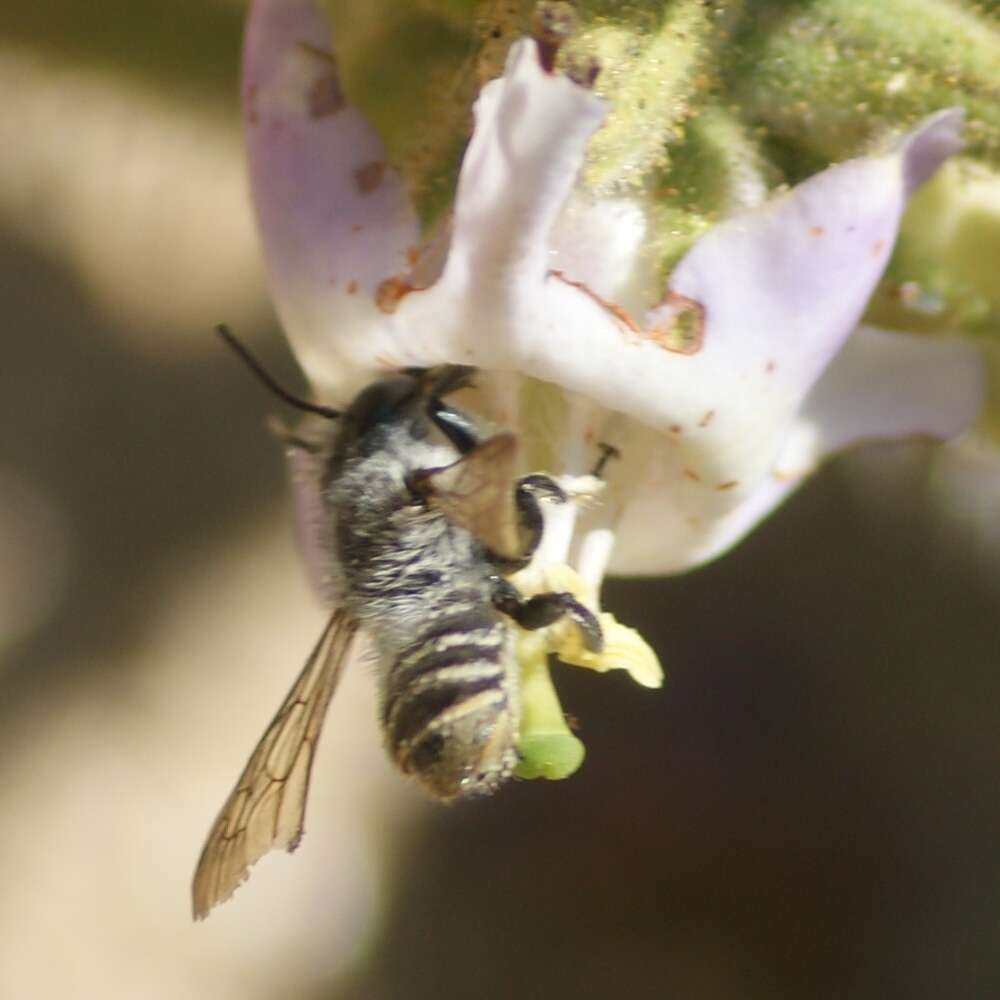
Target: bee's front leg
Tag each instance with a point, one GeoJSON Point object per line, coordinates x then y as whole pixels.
{"type": "Point", "coordinates": [546, 609]}
{"type": "Point", "coordinates": [533, 490]}
{"type": "Point", "coordinates": [529, 493]}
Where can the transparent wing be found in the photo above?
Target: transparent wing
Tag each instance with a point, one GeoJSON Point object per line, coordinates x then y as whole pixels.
{"type": "Point", "coordinates": [266, 809]}
{"type": "Point", "coordinates": [477, 493]}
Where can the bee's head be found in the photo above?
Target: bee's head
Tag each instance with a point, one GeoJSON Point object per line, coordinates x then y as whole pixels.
{"type": "Point", "coordinates": [410, 400]}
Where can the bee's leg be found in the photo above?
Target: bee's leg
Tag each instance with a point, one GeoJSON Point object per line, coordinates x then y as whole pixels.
{"type": "Point", "coordinates": [529, 493]}
{"type": "Point", "coordinates": [545, 609]}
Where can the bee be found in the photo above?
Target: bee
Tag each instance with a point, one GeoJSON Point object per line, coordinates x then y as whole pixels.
{"type": "Point", "coordinates": [424, 519]}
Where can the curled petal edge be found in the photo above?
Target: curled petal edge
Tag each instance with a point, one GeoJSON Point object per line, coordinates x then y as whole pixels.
{"type": "Point", "coordinates": [333, 217]}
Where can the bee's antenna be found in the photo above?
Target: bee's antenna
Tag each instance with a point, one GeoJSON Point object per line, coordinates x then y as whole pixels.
{"type": "Point", "coordinates": [258, 369]}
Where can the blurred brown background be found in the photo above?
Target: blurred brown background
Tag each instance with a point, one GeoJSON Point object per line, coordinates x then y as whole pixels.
{"type": "Point", "coordinates": [809, 808]}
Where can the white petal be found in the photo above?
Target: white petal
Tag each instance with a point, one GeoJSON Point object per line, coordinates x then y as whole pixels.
{"type": "Point", "coordinates": [658, 533]}
{"type": "Point", "coordinates": [332, 214]}
{"type": "Point", "coordinates": [600, 243]}
{"type": "Point", "coordinates": [778, 289]}
{"type": "Point", "coordinates": [532, 129]}
{"type": "Point", "coordinates": [771, 294]}
{"type": "Point", "coordinates": [885, 386]}
{"type": "Point", "coordinates": [787, 283]}
{"type": "Point", "coordinates": [882, 386]}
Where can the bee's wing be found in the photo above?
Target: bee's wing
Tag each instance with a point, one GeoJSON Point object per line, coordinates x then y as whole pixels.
{"type": "Point", "coordinates": [266, 809]}
{"type": "Point", "coordinates": [477, 493]}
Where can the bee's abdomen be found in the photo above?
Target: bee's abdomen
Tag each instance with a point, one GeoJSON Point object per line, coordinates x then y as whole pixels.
{"type": "Point", "coordinates": [449, 712]}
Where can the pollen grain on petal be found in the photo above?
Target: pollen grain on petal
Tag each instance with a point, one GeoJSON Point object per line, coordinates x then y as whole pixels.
{"type": "Point", "coordinates": [707, 418]}
{"type": "Point", "coordinates": [816, 231]}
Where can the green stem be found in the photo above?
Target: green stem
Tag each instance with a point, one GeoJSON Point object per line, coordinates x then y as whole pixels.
{"type": "Point", "coordinates": [548, 749]}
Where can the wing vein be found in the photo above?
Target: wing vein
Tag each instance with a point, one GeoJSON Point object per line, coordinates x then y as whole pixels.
{"type": "Point", "coordinates": [266, 808]}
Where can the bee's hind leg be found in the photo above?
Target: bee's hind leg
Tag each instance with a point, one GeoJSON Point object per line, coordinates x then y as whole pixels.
{"type": "Point", "coordinates": [546, 609]}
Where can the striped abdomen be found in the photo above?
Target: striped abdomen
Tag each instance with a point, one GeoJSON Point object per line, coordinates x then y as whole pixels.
{"type": "Point", "coordinates": [450, 707]}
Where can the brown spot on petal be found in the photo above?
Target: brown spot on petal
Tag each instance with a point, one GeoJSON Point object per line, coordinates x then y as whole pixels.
{"type": "Point", "coordinates": [675, 429]}
{"type": "Point", "coordinates": [707, 419]}
{"type": "Point", "coordinates": [369, 177]}
{"type": "Point", "coordinates": [877, 247]}
{"type": "Point", "coordinates": [325, 98]}
{"type": "Point", "coordinates": [728, 484]}
{"type": "Point", "coordinates": [412, 256]}
{"type": "Point", "coordinates": [816, 230]}
{"type": "Point", "coordinates": [352, 287]}
{"type": "Point", "coordinates": [617, 311]}
{"type": "Point", "coordinates": [682, 329]}
{"type": "Point", "coordinates": [391, 291]}
{"type": "Point", "coordinates": [357, 227]}
{"type": "Point", "coordinates": [770, 366]}
{"type": "Point", "coordinates": [691, 474]}
{"type": "Point", "coordinates": [325, 56]}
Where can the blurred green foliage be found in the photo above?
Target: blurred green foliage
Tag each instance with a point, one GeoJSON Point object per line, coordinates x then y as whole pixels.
{"type": "Point", "coordinates": [189, 47]}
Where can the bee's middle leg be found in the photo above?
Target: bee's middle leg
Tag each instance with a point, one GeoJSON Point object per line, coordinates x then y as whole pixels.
{"type": "Point", "coordinates": [546, 609]}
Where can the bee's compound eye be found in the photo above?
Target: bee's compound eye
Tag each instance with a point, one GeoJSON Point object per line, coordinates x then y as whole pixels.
{"type": "Point", "coordinates": [380, 402]}
{"type": "Point", "coordinates": [458, 427]}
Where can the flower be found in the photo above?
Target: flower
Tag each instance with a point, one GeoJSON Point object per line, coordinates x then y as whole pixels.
{"type": "Point", "coordinates": [719, 392]}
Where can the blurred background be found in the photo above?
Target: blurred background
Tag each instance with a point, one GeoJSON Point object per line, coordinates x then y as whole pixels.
{"type": "Point", "coordinates": [809, 808]}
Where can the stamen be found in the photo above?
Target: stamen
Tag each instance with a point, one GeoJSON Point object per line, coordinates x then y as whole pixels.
{"type": "Point", "coordinates": [560, 523]}
{"type": "Point", "coordinates": [594, 555]}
